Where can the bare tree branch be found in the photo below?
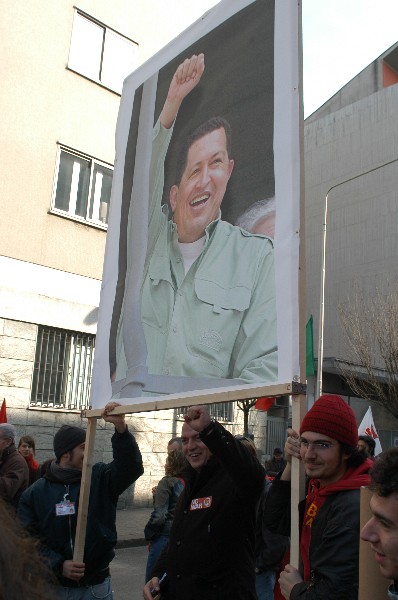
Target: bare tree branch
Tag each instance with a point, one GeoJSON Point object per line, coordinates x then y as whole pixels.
{"type": "Point", "coordinates": [245, 406]}
{"type": "Point", "coordinates": [371, 330]}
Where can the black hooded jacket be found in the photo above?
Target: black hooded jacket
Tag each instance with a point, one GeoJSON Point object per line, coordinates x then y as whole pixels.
{"type": "Point", "coordinates": [211, 549]}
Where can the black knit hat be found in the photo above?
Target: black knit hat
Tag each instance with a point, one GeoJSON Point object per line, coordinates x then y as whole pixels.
{"type": "Point", "coordinates": [67, 438]}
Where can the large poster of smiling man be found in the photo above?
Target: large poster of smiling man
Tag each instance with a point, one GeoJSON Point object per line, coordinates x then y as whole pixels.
{"type": "Point", "coordinates": [198, 231]}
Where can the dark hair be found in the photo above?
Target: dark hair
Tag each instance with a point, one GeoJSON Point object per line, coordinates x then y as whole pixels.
{"type": "Point", "coordinates": [176, 463]}
{"type": "Point", "coordinates": [175, 440]}
{"type": "Point", "coordinates": [23, 573]}
{"type": "Point", "coordinates": [45, 466]}
{"type": "Point", "coordinates": [27, 439]}
{"type": "Point", "coordinates": [247, 442]}
{"type": "Point", "coordinates": [356, 457]}
{"type": "Point", "coordinates": [205, 128]}
{"type": "Point", "coordinates": [384, 473]}
{"type": "Point", "coordinates": [370, 443]}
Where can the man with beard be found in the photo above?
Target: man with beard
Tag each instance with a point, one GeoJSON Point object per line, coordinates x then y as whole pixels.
{"type": "Point", "coordinates": [329, 549]}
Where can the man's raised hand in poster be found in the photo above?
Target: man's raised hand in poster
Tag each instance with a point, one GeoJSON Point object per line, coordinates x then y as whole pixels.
{"type": "Point", "coordinates": [185, 79]}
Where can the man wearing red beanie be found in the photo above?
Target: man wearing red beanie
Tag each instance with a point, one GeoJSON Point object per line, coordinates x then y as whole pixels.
{"type": "Point", "coordinates": [329, 516]}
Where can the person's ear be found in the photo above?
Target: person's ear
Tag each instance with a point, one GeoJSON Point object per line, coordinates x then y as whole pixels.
{"type": "Point", "coordinates": [66, 456]}
{"type": "Point", "coordinates": [173, 197]}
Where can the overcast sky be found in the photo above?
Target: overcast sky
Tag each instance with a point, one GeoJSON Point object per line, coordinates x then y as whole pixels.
{"type": "Point", "coordinates": [340, 38]}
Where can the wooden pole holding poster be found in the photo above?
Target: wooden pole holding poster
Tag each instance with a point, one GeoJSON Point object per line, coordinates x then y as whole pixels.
{"type": "Point", "coordinates": [84, 497]}
{"type": "Point", "coordinates": [372, 585]}
{"type": "Point", "coordinates": [299, 402]}
{"type": "Point", "coordinates": [297, 483]}
{"type": "Point", "coordinates": [229, 394]}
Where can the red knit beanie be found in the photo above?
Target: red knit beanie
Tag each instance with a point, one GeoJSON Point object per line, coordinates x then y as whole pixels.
{"type": "Point", "coordinates": [333, 417]}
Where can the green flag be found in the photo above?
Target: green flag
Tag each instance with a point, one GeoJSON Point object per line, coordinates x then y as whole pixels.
{"type": "Point", "coordinates": [309, 345]}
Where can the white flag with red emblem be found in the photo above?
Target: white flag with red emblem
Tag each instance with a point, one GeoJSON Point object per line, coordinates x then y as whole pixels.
{"type": "Point", "coordinates": [367, 427]}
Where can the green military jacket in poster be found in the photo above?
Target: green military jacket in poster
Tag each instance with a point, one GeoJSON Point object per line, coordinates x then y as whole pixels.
{"type": "Point", "coordinates": [218, 319]}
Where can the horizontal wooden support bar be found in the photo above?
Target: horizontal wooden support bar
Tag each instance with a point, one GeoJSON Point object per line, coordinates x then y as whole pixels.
{"type": "Point", "coordinates": [230, 394]}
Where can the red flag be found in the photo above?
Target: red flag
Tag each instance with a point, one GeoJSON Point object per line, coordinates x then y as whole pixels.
{"type": "Point", "coordinates": [264, 403]}
{"type": "Point", "coordinates": [3, 413]}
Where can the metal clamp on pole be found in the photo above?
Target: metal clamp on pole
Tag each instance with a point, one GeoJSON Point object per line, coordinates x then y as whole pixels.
{"type": "Point", "coordinates": [299, 388]}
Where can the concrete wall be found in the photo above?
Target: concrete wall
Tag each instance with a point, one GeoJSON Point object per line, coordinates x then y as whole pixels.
{"type": "Point", "coordinates": [362, 222]}
{"type": "Point", "coordinates": [36, 294]}
{"type": "Point", "coordinates": [367, 82]}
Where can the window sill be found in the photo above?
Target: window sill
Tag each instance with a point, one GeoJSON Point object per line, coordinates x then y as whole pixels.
{"type": "Point", "coordinates": [96, 81]}
{"type": "Point", "coordinates": [64, 215]}
{"type": "Point", "coordinates": [57, 410]}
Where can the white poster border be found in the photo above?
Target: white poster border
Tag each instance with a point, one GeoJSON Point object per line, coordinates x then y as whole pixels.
{"type": "Point", "coordinates": [287, 186]}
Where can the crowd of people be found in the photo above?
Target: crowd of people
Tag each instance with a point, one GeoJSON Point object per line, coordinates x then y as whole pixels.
{"type": "Point", "coordinates": [220, 527]}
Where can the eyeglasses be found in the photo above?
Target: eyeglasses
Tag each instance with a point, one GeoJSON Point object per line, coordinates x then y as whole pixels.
{"type": "Point", "coordinates": [317, 446]}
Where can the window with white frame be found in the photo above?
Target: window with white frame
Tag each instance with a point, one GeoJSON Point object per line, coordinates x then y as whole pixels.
{"type": "Point", "coordinates": [62, 369]}
{"type": "Point", "coordinates": [100, 53]}
{"type": "Point", "coordinates": [82, 187]}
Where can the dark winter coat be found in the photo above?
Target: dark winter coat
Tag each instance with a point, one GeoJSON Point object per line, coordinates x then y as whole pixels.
{"type": "Point", "coordinates": [273, 467]}
{"type": "Point", "coordinates": [164, 504]}
{"type": "Point", "coordinates": [211, 550]}
{"type": "Point", "coordinates": [334, 546]}
{"type": "Point", "coordinates": [270, 547]}
{"type": "Point", "coordinates": [57, 533]}
{"type": "Point", "coordinates": [14, 475]}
